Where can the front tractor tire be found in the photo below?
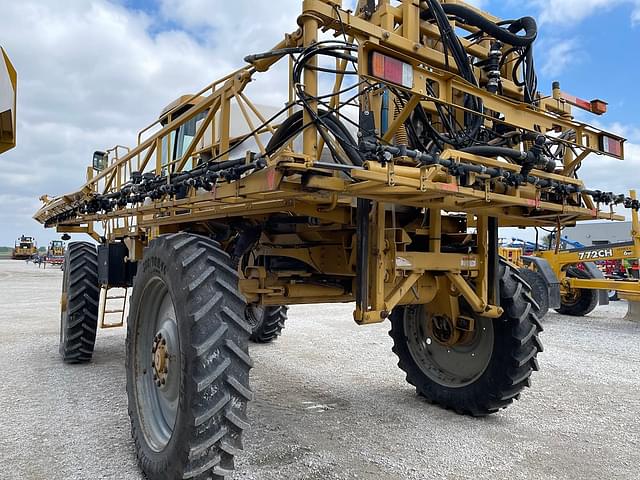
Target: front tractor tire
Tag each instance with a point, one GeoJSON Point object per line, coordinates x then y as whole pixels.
{"type": "Point", "coordinates": [266, 323]}
{"type": "Point", "coordinates": [484, 374]}
{"type": "Point", "coordinates": [187, 360]}
{"type": "Point", "coordinates": [79, 303]}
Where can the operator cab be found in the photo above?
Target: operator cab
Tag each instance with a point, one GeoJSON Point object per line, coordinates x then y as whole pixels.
{"type": "Point", "coordinates": [175, 144]}
{"type": "Point", "coordinates": [25, 242]}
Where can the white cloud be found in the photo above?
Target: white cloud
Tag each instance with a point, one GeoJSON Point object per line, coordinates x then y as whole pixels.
{"type": "Point", "coordinates": [573, 11]}
{"type": "Point", "coordinates": [559, 56]}
{"type": "Point", "coordinates": [91, 74]}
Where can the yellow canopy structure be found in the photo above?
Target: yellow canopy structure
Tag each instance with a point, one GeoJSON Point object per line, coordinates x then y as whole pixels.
{"type": "Point", "coordinates": [8, 86]}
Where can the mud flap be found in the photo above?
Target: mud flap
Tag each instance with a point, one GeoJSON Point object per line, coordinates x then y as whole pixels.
{"type": "Point", "coordinates": [550, 278]}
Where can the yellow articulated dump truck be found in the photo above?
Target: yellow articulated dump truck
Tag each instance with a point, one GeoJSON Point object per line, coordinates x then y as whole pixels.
{"type": "Point", "coordinates": [413, 131]}
{"type": "Point", "coordinates": [8, 86]}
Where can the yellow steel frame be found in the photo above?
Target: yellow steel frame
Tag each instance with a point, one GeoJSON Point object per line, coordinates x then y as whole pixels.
{"type": "Point", "coordinates": [292, 183]}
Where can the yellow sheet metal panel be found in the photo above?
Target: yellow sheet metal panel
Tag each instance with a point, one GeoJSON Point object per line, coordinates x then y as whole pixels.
{"type": "Point", "coordinates": [8, 87]}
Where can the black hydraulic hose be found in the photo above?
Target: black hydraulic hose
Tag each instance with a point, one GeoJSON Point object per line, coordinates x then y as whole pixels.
{"type": "Point", "coordinates": [527, 160]}
{"type": "Point", "coordinates": [459, 168]}
{"type": "Point", "coordinates": [294, 124]}
{"type": "Point", "coordinates": [488, 151]}
{"type": "Point", "coordinates": [450, 41]}
{"type": "Point", "coordinates": [509, 35]}
{"type": "Point", "coordinates": [506, 35]}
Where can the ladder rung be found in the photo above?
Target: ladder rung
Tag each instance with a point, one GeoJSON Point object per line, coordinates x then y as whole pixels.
{"type": "Point", "coordinates": [113, 325]}
{"type": "Point", "coordinates": [117, 298]}
{"type": "Point", "coordinates": [114, 311]}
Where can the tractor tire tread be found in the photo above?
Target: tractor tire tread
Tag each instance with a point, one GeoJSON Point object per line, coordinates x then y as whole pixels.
{"type": "Point", "coordinates": [270, 328]}
{"type": "Point", "coordinates": [218, 380]}
{"type": "Point", "coordinates": [512, 363]}
{"type": "Point", "coordinates": [80, 325]}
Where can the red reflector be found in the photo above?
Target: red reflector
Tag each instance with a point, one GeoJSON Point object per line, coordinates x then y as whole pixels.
{"type": "Point", "coordinates": [599, 107]}
{"type": "Point", "coordinates": [392, 70]}
{"type": "Point", "coordinates": [612, 146]}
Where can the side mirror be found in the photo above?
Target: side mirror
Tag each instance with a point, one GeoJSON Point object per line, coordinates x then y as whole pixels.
{"type": "Point", "coordinates": [100, 161]}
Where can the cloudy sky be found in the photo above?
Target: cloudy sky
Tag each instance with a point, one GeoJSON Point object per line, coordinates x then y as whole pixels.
{"type": "Point", "coordinates": [93, 72]}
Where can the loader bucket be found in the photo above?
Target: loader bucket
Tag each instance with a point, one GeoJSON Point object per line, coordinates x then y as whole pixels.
{"type": "Point", "coordinates": [8, 85]}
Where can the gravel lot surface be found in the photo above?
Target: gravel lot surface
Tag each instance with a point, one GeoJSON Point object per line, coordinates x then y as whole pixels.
{"type": "Point", "coordinates": [330, 403]}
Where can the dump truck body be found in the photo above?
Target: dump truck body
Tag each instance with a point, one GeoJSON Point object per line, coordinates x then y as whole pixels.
{"type": "Point", "coordinates": [8, 88]}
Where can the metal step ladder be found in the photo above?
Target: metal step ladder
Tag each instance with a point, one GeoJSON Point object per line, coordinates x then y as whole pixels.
{"type": "Point", "coordinates": [107, 308]}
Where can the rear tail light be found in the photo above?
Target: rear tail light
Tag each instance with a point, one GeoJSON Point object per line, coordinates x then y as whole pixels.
{"type": "Point", "coordinates": [611, 145]}
{"type": "Point", "coordinates": [391, 70]}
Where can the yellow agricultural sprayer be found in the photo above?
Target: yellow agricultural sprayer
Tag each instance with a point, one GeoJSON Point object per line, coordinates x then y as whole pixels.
{"type": "Point", "coordinates": [413, 131]}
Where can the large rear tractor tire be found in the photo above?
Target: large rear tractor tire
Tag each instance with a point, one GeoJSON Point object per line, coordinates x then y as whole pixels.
{"type": "Point", "coordinates": [79, 303]}
{"type": "Point", "coordinates": [579, 302]}
{"type": "Point", "coordinates": [267, 323]}
{"type": "Point", "coordinates": [539, 291]}
{"type": "Point", "coordinates": [486, 373]}
{"type": "Point", "coordinates": [187, 360]}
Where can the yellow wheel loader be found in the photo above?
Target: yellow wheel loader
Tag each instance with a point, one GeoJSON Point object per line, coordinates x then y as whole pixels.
{"type": "Point", "coordinates": [25, 248]}
{"type": "Point", "coordinates": [55, 252]}
{"type": "Point", "coordinates": [412, 132]}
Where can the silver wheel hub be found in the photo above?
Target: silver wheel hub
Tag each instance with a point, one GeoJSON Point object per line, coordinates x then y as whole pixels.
{"type": "Point", "coordinates": [158, 364]}
{"type": "Point", "coordinates": [444, 354]}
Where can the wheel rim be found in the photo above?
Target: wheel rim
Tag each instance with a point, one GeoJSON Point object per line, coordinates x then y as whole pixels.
{"type": "Point", "coordinates": [571, 298]}
{"type": "Point", "coordinates": [451, 366]}
{"type": "Point", "coordinates": [157, 364]}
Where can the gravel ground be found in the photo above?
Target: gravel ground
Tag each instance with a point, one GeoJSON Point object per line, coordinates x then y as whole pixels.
{"type": "Point", "coordinates": [330, 403]}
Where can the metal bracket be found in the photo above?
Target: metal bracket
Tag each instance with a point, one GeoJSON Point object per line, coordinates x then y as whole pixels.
{"type": "Point", "coordinates": [391, 174]}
